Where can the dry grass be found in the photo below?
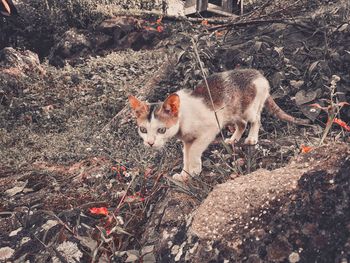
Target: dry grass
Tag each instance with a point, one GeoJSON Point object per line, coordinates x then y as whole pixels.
{"type": "Point", "coordinates": [82, 101]}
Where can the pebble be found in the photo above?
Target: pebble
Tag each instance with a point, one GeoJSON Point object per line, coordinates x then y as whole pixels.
{"type": "Point", "coordinates": [25, 240]}
{"type": "Point", "coordinates": [294, 257]}
{"type": "Point", "coordinates": [15, 232]}
{"type": "Point", "coordinates": [175, 249]}
{"type": "Point", "coordinates": [6, 253]}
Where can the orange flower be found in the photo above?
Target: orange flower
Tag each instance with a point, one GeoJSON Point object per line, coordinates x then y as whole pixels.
{"type": "Point", "coordinates": [115, 168]}
{"type": "Point", "coordinates": [219, 33]}
{"type": "Point", "coordinates": [342, 124]}
{"type": "Point", "coordinates": [160, 29]}
{"type": "Point", "coordinates": [205, 22]}
{"type": "Point", "coordinates": [305, 149]}
{"type": "Point", "coordinates": [118, 168]}
{"type": "Point", "coordinates": [99, 210]}
{"type": "Point", "coordinates": [148, 28]}
{"type": "Point", "coordinates": [159, 20]}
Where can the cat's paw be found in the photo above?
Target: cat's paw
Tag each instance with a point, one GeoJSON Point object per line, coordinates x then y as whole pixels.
{"type": "Point", "coordinates": [251, 141]}
{"type": "Point", "coordinates": [182, 177]}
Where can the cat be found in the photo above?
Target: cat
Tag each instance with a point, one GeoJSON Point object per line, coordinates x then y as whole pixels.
{"type": "Point", "coordinates": [238, 97]}
{"type": "Point", "coordinates": [7, 8]}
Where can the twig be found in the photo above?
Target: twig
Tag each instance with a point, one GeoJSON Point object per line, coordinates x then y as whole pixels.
{"type": "Point", "coordinates": [261, 8]}
{"type": "Point", "coordinates": [213, 21]}
{"type": "Point", "coordinates": [267, 21]}
{"type": "Point", "coordinates": [59, 220]}
{"type": "Point", "coordinates": [242, 6]}
{"type": "Point", "coordinates": [207, 85]}
{"type": "Point", "coordinates": [126, 192]}
{"type": "Point", "coordinates": [280, 10]}
{"type": "Point", "coordinates": [58, 254]}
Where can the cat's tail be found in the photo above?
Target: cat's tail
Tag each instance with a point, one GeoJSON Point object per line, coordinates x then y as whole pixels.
{"type": "Point", "coordinates": [274, 109]}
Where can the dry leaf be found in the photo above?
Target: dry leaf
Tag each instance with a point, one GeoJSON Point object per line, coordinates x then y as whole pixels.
{"type": "Point", "coordinates": [133, 255]}
{"type": "Point", "coordinates": [17, 189]}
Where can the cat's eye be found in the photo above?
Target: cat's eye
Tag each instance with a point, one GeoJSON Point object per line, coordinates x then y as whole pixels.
{"type": "Point", "coordinates": [161, 130]}
{"type": "Point", "coordinates": [143, 130]}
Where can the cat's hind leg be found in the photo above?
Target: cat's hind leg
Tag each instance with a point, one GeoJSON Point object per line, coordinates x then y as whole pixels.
{"type": "Point", "coordinates": [253, 134]}
{"type": "Point", "coordinates": [253, 113]}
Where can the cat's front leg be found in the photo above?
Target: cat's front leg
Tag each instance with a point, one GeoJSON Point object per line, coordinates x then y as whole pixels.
{"type": "Point", "coordinates": [193, 154]}
{"type": "Point", "coordinates": [185, 173]}
{"type": "Point", "coordinates": [192, 165]}
{"type": "Point", "coordinates": [195, 165]}
{"type": "Point", "coordinates": [240, 126]}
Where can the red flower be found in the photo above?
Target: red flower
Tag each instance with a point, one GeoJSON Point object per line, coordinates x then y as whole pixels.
{"type": "Point", "coordinates": [205, 22]}
{"type": "Point", "coordinates": [160, 29]}
{"type": "Point", "coordinates": [342, 124]}
{"type": "Point", "coordinates": [99, 211]}
{"type": "Point", "coordinates": [305, 149]}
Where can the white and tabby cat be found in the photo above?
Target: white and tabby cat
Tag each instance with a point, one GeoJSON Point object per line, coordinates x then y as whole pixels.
{"type": "Point", "coordinates": [238, 96]}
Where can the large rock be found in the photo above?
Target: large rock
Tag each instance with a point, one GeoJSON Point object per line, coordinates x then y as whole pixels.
{"type": "Point", "coordinates": [296, 213]}
{"type": "Point", "coordinates": [19, 63]}
{"type": "Point", "coordinates": [72, 45]}
{"type": "Point", "coordinates": [167, 228]}
{"type": "Point", "coordinates": [130, 32]}
{"type": "Point", "coordinates": [16, 69]}
{"type": "Point", "coordinates": [227, 207]}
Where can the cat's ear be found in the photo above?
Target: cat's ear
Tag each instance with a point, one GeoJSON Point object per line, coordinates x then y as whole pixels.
{"type": "Point", "coordinates": [140, 108]}
{"type": "Point", "coordinates": [171, 105]}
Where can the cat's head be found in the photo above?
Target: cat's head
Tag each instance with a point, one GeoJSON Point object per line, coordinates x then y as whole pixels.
{"type": "Point", "coordinates": [157, 122]}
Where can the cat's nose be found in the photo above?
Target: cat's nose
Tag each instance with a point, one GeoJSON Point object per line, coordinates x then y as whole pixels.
{"type": "Point", "coordinates": [151, 143]}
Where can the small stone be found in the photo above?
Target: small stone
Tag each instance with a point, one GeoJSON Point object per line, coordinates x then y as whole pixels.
{"type": "Point", "coordinates": [175, 249]}
{"type": "Point", "coordinates": [279, 249]}
{"type": "Point", "coordinates": [6, 253]}
{"type": "Point", "coordinates": [25, 240]}
{"type": "Point", "coordinates": [15, 232]}
{"type": "Point", "coordinates": [296, 84]}
{"type": "Point", "coordinates": [193, 249]}
{"type": "Point", "coordinates": [179, 254]}
{"type": "Point", "coordinates": [294, 257]}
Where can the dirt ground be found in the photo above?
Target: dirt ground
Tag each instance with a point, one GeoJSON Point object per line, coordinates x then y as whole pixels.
{"type": "Point", "coordinates": [63, 151]}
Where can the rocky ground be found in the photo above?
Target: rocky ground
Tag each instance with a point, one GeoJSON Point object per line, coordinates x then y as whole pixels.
{"type": "Point", "coordinates": [69, 144]}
